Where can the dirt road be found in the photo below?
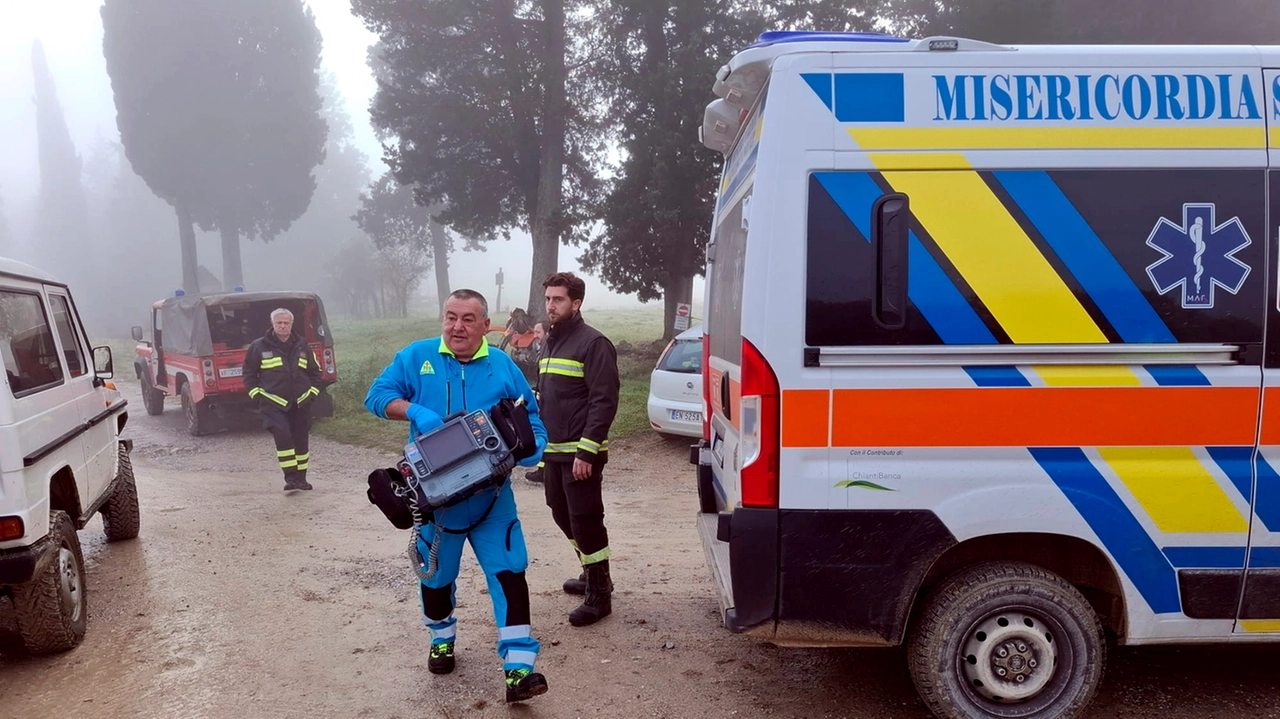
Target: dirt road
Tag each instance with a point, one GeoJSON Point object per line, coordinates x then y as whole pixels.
{"type": "Point", "coordinates": [239, 602]}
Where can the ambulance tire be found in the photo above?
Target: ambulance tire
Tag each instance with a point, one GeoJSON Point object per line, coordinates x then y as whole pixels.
{"type": "Point", "coordinates": [999, 621]}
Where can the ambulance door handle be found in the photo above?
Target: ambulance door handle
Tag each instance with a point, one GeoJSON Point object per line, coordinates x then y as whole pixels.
{"type": "Point", "coordinates": [890, 239]}
{"type": "Point", "coordinates": [725, 398]}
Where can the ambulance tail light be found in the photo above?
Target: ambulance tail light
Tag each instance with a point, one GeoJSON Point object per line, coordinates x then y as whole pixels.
{"type": "Point", "coordinates": [706, 387]}
{"type": "Point", "coordinates": [761, 431]}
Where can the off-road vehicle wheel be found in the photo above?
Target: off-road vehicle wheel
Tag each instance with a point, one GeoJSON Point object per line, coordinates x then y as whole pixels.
{"type": "Point", "coordinates": [121, 518]}
{"type": "Point", "coordinates": [152, 398]}
{"type": "Point", "coordinates": [197, 416]}
{"type": "Point", "coordinates": [53, 612]}
{"type": "Point", "coordinates": [1007, 640]}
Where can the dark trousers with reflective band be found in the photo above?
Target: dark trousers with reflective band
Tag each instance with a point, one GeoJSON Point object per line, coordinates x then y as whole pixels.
{"type": "Point", "coordinates": [290, 429]}
{"type": "Point", "coordinates": [577, 506]}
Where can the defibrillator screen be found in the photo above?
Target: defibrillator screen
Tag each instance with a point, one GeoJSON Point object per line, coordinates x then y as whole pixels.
{"type": "Point", "coordinates": [446, 445]}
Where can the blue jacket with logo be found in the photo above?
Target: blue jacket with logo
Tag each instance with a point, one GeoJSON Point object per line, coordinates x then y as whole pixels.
{"type": "Point", "coordinates": [427, 373]}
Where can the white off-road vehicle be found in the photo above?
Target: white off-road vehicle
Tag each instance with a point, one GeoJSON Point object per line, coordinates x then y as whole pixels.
{"type": "Point", "coordinates": [61, 456]}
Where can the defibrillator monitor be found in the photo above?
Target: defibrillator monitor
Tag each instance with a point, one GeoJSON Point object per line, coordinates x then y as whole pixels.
{"type": "Point", "coordinates": [457, 459]}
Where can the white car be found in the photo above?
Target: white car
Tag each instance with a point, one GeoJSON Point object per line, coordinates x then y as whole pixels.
{"type": "Point", "coordinates": [675, 387]}
{"type": "Point", "coordinates": [61, 457]}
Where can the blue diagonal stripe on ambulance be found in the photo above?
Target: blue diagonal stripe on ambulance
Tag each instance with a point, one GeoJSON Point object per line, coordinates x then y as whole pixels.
{"type": "Point", "coordinates": [928, 287]}
{"type": "Point", "coordinates": [997, 377]}
{"type": "Point", "coordinates": [1129, 544]}
{"type": "Point", "coordinates": [1237, 464]}
{"type": "Point", "coordinates": [1085, 255]}
{"type": "Point", "coordinates": [1267, 503]}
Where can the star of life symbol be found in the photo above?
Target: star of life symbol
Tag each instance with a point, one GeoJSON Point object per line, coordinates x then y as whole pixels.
{"type": "Point", "coordinates": [1199, 256]}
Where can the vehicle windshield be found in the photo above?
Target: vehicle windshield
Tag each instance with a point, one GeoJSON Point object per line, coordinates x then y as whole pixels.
{"type": "Point", "coordinates": [684, 356]}
{"type": "Point", "coordinates": [235, 326]}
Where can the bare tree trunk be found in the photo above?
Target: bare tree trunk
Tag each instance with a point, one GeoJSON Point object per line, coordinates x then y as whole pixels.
{"type": "Point", "coordinates": [190, 262]}
{"type": "Point", "coordinates": [547, 221]}
{"type": "Point", "coordinates": [232, 273]}
{"type": "Point", "coordinates": [440, 254]}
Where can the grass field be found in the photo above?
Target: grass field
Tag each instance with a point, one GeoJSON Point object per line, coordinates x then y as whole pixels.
{"type": "Point", "coordinates": [365, 347]}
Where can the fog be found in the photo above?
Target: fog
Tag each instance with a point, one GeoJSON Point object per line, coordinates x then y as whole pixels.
{"type": "Point", "coordinates": [131, 254]}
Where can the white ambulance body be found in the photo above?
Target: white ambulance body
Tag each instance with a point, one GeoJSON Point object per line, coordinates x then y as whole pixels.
{"type": "Point", "coordinates": [993, 350]}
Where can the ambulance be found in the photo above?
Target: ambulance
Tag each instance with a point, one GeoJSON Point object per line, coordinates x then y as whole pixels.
{"type": "Point", "coordinates": [992, 355]}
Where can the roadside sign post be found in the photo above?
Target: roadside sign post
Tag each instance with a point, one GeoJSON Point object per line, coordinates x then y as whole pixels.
{"type": "Point", "coordinates": [682, 317]}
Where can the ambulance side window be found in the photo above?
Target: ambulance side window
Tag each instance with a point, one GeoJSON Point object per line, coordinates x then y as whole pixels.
{"type": "Point", "coordinates": [843, 291]}
{"type": "Point", "coordinates": [724, 318]}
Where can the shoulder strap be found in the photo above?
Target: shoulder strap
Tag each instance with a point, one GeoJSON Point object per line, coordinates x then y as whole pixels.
{"type": "Point", "coordinates": [492, 503]}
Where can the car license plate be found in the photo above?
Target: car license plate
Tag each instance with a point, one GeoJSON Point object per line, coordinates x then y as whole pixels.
{"type": "Point", "coordinates": [231, 372]}
{"type": "Point", "coordinates": [681, 415]}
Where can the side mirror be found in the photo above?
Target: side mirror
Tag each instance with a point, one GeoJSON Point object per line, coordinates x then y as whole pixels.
{"type": "Point", "coordinates": [103, 366]}
{"type": "Point", "coordinates": [137, 333]}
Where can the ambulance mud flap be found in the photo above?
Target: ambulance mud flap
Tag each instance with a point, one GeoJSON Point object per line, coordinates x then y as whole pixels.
{"type": "Point", "coordinates": [742, 550]}
{"type": "Point", "coordinates": [848, 578]}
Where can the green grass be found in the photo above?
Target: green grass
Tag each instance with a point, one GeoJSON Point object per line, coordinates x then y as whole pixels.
{"type": "Point", "coordinates": [365, 347]}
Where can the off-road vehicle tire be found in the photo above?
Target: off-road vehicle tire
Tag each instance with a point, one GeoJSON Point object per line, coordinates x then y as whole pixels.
{"type": "Point", "coordinates": [152, 398]}
{"type": "Point", "coordinates": [1007, 640]}
{"type": "Point", "coordinates": [52, 609]}
{"type": "Point", "coordinates": [121, 518]}
{"type": "Point", "coordinates": [197, 417]}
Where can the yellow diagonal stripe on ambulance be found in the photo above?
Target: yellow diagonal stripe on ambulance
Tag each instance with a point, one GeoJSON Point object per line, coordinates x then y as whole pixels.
{"type": "Point", "coordinates": [996, 257]}
{"type": "Point", "coordinates": [1175, 489]}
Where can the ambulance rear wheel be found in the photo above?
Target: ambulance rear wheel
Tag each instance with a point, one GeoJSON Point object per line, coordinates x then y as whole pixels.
{"type": "Point", "coordinates": [1007, 640]}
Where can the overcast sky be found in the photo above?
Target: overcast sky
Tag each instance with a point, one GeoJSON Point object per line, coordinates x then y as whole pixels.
{"type": "Point", "coordinates": [71, 31]}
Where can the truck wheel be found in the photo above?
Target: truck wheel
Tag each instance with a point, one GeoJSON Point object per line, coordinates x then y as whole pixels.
{"type": "Point", "coordinates": [121, 518]}
{"type": "Point", "coordinates": [152, 398]}
{"type": "Point", "coordinates": [197, 417]}
{"type": "Point", "coordinates": [53, 612]}
{"type": "Point", "coordinates": [1008, 640]}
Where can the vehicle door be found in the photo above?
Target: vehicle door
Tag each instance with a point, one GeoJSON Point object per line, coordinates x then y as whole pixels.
{"type": "Point", "coordinates": [46, 409]}
{"type": "Point", "coordinates": [1260, 604]}
{"type": "Point", "coordinates": [99, 436]}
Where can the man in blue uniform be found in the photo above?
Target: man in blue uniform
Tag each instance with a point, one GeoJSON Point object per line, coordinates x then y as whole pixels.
{"type": "Point", "coordinates": [431, 379]}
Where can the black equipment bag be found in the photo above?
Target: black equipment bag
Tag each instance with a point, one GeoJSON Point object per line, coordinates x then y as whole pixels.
{"type": "Point", "coordinates": [512, 422]}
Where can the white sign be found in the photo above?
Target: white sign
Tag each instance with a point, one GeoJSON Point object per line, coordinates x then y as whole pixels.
{"type": "Point", "coordinates": [682, 317]}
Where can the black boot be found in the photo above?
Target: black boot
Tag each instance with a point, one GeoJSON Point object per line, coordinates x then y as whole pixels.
{"type": "Point", "coordinates": [302, 480]}
{"type": "Point", "coordinates": [524, 684]}
{"type": "Point", "coordinates": [291, 481]}
{"type": "Point", "coordinates": [598, 603]}
{"type": "Point", "coordinates": [576, 586]}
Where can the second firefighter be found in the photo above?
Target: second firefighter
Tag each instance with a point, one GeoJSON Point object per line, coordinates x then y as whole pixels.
{"type": "Point", "coordinates": [578, 391]}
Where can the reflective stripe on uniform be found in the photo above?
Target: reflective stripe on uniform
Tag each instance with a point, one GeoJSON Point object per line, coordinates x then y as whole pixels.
{"type": "Point", "coordinates": [271, 363]}
{"type": "Point", "coordinates": [309, 393]}
{"type": "Point", "coordinates": [287, 458]}
{"type": "Point", "coordinates": [565, 367]}
{"type": "Point", "coordinates": [561, 448]}
{"type": "Point", "coordinates": [594, 557]}
{"type": "Point", "coordinates": [520, 657]}
{"type": "Point", "coordinates": [278, 400]}
{"type": "Point", "coordinates": [302, 461]}
{"type": "Point", "coordinates": [515, 631]}
{"type": "Point", "coordinates": [592, 446]}
{"type": "Point", "coordinates": [302, 362]}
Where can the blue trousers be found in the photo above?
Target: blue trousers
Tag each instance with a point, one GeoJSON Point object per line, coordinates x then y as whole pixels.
{"type": "Point", "coordinates": [498, 543]}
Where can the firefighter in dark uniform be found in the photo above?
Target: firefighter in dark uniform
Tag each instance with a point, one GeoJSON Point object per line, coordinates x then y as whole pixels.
{"type": "Point", "coordinates": [282, 374]}
{"type": "Point", "coordinates": [578, 392]}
